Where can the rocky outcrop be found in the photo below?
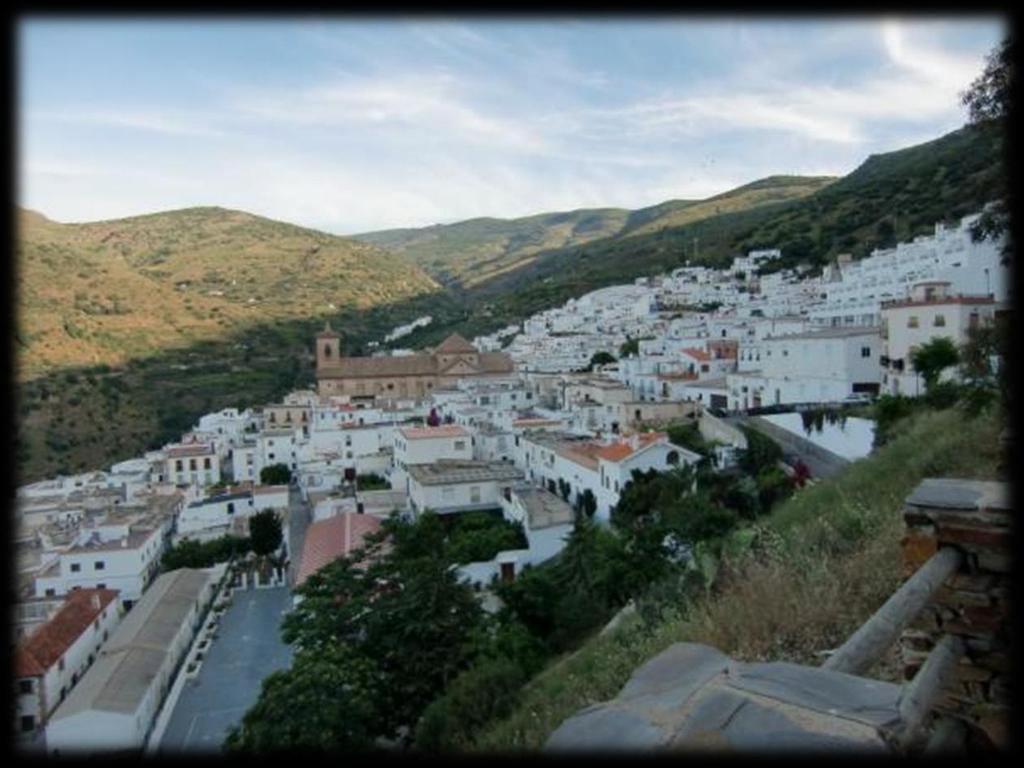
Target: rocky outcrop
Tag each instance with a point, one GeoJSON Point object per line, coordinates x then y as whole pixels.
{"type": "Point", "coordinates": [692, 696]}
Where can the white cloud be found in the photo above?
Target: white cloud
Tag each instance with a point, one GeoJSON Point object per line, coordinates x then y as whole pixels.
{"type": "Point", "coordinates": [176, 123]}
{"type": "Point", "coordinates": [429, 104]}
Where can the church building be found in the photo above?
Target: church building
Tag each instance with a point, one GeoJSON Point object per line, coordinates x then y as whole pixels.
{"type": "Point", "coordinates": [403, 376]}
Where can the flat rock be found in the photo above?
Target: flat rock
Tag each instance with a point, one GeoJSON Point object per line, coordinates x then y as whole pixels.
{"type": "Point", "coordinates": [949, 493]}
{"type": "Point", "coordinates": [692, 696]}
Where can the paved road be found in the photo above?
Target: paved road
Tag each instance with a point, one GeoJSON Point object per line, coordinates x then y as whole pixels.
{"type": "Point", "coordinates": [300, 515]}
{"type": "Point", "coordinates": [247, 649]}
{"type": "Point", "coordinates": [820, 462]}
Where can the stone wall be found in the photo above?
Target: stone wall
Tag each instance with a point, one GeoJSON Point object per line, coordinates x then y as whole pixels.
{"type": "Point", "coordinates": [975, 517]}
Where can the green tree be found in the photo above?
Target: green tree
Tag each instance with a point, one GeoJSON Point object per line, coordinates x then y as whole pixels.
{"type": "Point", "coordinates": [933, 357]}
{"type": "Point", "coordinates": [761, 452]}
{"type": "Point", "coordinates": [600, 358]}
{"type": "Point", "coordinates": [630, 347]}
{"type": "Point", "coordinates": [326, 701]}
{"type": "Point", "coordinates": [276, 474]}
{"type": "Point", "coordinates": [988, 97]}
{"type": "Point", "coordinates": [265, 532]}
{"type": "Point", "coordinates": [988, 102]}
{"type": "Point", "coordinates": [588, 503]}
{"type": "Point", "coordinates": [404, 609]}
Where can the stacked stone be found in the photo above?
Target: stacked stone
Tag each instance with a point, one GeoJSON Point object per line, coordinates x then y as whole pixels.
{"type": "Point", "coordinates": [975, 517]}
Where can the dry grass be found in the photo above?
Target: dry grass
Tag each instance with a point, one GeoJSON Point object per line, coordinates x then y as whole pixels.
{"type": "Point", "coordinates": [838, 561]}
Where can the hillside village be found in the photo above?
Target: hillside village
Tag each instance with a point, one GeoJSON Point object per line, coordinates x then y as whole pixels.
{"type": "Point", "coordinates": [532, 425]}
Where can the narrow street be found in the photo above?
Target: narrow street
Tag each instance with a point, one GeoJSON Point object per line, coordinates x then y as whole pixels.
{"type": "Point", "coordinates": [300, 515]}
{"type": "Point", "coordinates": [820, 462]}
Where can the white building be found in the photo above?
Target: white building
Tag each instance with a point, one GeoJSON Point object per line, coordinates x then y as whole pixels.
{"type": "Point", "coordinates": [930, 312]}
{"type": "Point", "coordinates": [191, 464]}
{"type": "Point", "coordinates": [115, 705]}
{"type": "Point", "coordinates": [426, 445]}
{"type": "Point", "coordinates": [449, 486]}
{"type": "Point", "coordinates": [121, 555]}
{"type": "Point", "coordinates": [51, 661]}
{"type": "Point", "coordinates": [822, 366]}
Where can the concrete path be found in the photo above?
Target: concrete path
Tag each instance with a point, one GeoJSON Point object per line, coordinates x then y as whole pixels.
{"type": "Point", "coordinates": [300, 515]}
{"type": "Point", "coordinates": [247, 649]}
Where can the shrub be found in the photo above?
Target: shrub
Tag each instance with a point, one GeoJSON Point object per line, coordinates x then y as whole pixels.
{"type": "Point", "coordinates": [484, 692]}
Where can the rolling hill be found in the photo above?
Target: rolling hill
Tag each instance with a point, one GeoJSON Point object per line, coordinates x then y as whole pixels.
{"type": "Point", "coordinates": [111, 291]}
{"type": "Point", "coordinates": [470, 253]}
{"type": "Point", "coordinates": [129, 329]}
{"type": "Point", "coordinates": [889, 198]}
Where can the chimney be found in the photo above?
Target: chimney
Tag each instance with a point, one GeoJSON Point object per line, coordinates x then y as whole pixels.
{"type": "Point", "coordinates": [95, 602]}
{"type": "Point", "coordinates": [124, 543]}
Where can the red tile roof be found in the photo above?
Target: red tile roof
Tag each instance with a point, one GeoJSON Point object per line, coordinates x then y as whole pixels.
{"type": "Point", "coordinates": [423, 433]}
{"type": "Point", "coordinates": [333, 538]}
{"type": "Point", "coordinates": [46, 645]}
{"type": "Point", "coordinates": [697, 354]}
{"type": "Point", "coordinates": [620, 450]}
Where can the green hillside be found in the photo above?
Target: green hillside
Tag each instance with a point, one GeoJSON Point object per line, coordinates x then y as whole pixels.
{"type": "Point", "coordinates": [471, 253]}
{"type": "Point", "coordinates": [129, 329]}
{"type": "Point", "coordinates": [891, 197]}
{"type": "Point", "coordinates": [834, 559]}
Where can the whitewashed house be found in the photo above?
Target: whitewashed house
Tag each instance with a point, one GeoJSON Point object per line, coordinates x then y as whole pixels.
{"type": "Point", "coordinates": [820, 366]}
{"type": "Point", "coordinates": [448, 486]}
{"type": "Point", "coordinates": [115, 704]}
{"type": "Point", "coordinates": [426, 445]}
{"type": "Point", "coordinates": [931, 311]}
{"type": "Point", "coordinates": [191, 464]}
{"type": "Point", "coordinates": [51, 661]}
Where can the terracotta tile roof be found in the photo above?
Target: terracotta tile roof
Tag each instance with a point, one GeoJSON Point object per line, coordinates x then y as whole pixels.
{"type": "Point", "coordinates": [47, 644]}
{"type": "Point", "coordinates": [180, 451]}
{"type": "Point", "coordinates": [424, 433]}
{"type": "Point", "coordinates": [623, 449]}
{"type": "Point", "coordinates": [333, 538]}
{"type": "Point", "coordinates": [455, 344]}
{"type": "Point", "coordinates": [267, 489]}
{"type": "Point", "coordinates": [697, 354]}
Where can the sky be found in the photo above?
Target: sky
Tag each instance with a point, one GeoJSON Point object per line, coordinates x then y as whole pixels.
{"type": "Point", "coordinates": [351, 125]}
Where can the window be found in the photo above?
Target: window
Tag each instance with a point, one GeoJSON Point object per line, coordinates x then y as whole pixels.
{"type": "Point", "coordinates": [178, 466]}
{"type": "Point", "coordinates": [101, 586]}
{"type": "Point", "coordinates": [460, 445]}
{"type": "Point", "coordinates": [912, 321]}
{"type": "Point", "coordinates": [99, 565]}
{"type": "Point", "coordinates": [28, 723]}
{"type": "Point", "coordinates": [60, 664]}
{"type": "Point", "coordinates": [231, 507]}
{"type": "Point", "coordinates": [26, 686]}
{"type": "Point", "coordinates": [940, 321]}
{"type": "Point", "coordinates": [76, 567]}
{"type": "Point", "coordinates": [865, 351]}
{"type": "Point", "coordinates": [206, 464]}
{"type": "Point", "coordinates": [327, 350]}
{"type": "Point", "coordinates": [192, 464]}
{"type": "Point", "coordinates": [474, 494]}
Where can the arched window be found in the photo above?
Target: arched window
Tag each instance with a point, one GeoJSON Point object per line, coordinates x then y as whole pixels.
{"type": "Point", "coordinates": [673, 458]}
{"type": "Point", "coordinates": [327, 350]}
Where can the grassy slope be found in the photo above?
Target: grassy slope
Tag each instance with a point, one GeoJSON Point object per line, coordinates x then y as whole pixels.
{"type": "Point", "coordinates": [470, 253]}
{"type": "Point", "coordinates": [106, 294]}
{"type": "Point", "coordinates": [839, 559]}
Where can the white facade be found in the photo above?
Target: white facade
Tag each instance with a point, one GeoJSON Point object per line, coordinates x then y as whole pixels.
{"type": "Point", "coordinates": [39, 695]}
{"type": "Point", "coordinates": [931, 312]}
{"type": "Point", "coordinates": [126, 563]}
